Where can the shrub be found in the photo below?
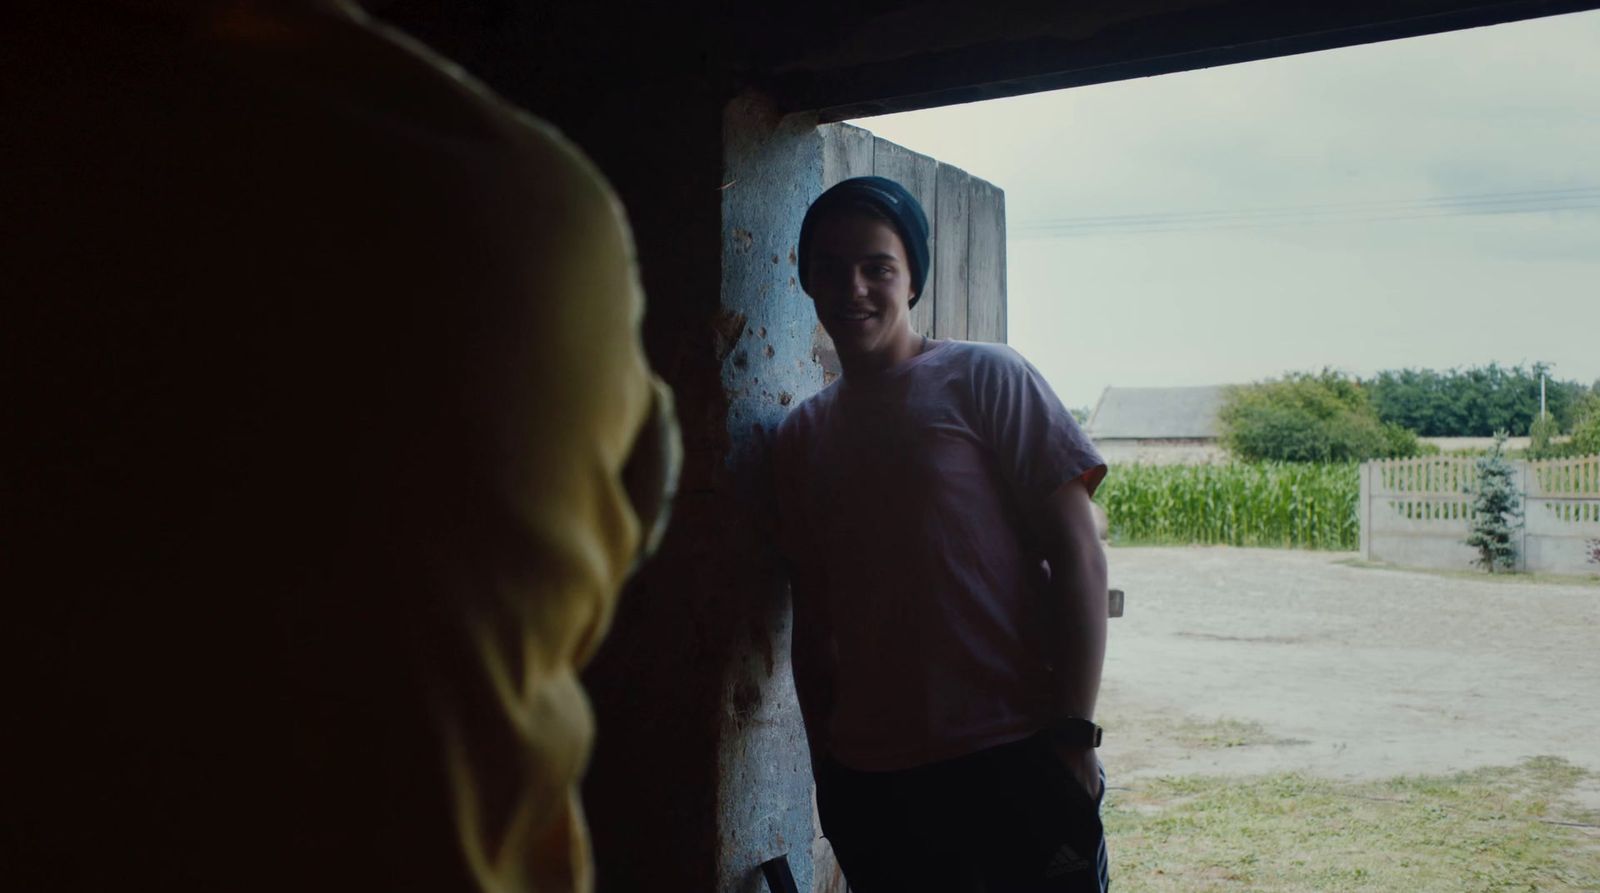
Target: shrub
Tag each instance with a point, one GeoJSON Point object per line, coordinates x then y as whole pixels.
{"type": "Point", "coordinates": [1400, 442]}
{"type": "Point", "coordinates": [1585, 439]}
{"type": "Point", "coordinates": [1305, 417]}
{"type": "Point", "coordinates": [1586, 430]}
{"type": "Point", "coordinates": [1540, 434]}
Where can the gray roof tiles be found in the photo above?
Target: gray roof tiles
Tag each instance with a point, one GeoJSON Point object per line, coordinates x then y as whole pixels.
{"type": "Point", "coordinates": [1157, 413]}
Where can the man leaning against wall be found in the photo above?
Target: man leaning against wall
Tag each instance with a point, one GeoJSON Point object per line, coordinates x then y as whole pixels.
{"type": "Point", "coordinates": [949, 585]}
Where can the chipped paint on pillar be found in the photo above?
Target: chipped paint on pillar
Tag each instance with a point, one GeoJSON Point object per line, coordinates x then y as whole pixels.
{"type": "Point", "coordinates": [764, 339]}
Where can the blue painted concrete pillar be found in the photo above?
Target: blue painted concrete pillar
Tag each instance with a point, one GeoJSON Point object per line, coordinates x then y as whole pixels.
{"type": "Point", "coordinates": [773, 169]}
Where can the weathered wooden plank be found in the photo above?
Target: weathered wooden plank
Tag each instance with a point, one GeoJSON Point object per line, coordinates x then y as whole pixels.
{"type": "Point", "coordinates": [954, 188]}
{"type": "Point", "coordinates": [846, 153]}
{"type": "Point", "coordinates": [986, 263]}
{"type": "Point", "coordinates": [918, 174]}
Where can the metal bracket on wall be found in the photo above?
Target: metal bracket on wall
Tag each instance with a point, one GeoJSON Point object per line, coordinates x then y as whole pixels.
{"type": "Point", "coordinates": [779, 878]}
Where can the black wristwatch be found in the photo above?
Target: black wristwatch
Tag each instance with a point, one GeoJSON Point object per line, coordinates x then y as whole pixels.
{"type": "Point", "coordinates": [1074, 732]}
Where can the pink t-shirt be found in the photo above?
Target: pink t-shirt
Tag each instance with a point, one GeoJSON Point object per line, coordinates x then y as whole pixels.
{"type": "Point", "coordinates": [906, 500]}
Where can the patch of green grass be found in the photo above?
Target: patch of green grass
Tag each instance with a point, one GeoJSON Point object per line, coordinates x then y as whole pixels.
{"type": "Point", "coordinates": [1221, 733]}
{"type": "Point", "coordinates": [1558, 579]}
{"type": "Point", "coordinates": [1486, 831]}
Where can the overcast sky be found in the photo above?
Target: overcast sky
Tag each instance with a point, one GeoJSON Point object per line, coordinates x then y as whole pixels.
{"type": "Point", "coordinates": [1432, 202]}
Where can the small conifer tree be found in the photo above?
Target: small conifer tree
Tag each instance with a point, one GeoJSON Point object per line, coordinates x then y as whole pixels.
{"type": "Point", "coordinates": [1496, 511]}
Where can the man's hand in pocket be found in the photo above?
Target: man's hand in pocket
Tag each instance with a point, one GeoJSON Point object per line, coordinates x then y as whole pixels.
{"type": "Point", "coordinates": [1084, 765]}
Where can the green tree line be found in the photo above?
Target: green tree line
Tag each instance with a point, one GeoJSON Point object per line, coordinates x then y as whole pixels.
{"type": "Point", "coordinates": [1473, 402]}
{"type": "Point", "coordinates": [1333, 417]}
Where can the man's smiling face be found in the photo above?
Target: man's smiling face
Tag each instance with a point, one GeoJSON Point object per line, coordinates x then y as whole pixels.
{"type": "Point", "coordinates": [860, 281]}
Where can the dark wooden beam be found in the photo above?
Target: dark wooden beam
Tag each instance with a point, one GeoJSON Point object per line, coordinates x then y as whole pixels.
{"type": "Point", "coordinates": [1047, 54]}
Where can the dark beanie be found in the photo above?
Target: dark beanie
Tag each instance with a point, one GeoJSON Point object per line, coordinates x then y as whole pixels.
{"type": "Point", "coordinates": [896, 203]}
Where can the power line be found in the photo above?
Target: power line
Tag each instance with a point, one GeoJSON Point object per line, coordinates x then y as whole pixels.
{"type": "Point", "coordinates": [1477, 197]}
{"type": "Point", "coordinates": [1525, 201]}
{"type": "Point", "coordinates": [1320, 214]}
{"type": "Point", "coordinates": [1180, 226]}
{"type": "Point", "coordinates": [1524, 197]}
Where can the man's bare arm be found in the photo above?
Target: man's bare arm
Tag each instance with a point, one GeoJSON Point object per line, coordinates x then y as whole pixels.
{"type": "Point", "coordinates": [1078, 612]}
{"type": "Point", "coordinates": [811, 656]}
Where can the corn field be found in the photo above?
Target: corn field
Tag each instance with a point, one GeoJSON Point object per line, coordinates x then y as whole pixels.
{"type": "Point", "coordinates": [1291, 505]}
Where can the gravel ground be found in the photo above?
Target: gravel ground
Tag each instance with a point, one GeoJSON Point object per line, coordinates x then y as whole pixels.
{"type": "Point", "coordinates": [1239, 661]}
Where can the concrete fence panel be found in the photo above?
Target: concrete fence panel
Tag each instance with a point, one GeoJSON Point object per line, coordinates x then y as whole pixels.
{"type": "Point", "coordinates": [1418, 512]}
{"type": "Point", "coordinates": [1562, 514]}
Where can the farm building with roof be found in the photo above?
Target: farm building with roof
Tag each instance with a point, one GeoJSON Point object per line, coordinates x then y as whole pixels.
{"type": "Point", "coordinates": [1158, 425]}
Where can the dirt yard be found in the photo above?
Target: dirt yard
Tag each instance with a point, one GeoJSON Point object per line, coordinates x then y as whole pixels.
{"type": "Point", "coordinates": [1245, 661]}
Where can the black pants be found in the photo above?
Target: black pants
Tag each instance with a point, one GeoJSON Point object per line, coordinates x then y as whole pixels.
{"type": "Point", "coordinates": [1009, 819]}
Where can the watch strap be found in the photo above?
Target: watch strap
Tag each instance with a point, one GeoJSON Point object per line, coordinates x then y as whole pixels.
{"type": "Point", "coordinates": [1074, 731]}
